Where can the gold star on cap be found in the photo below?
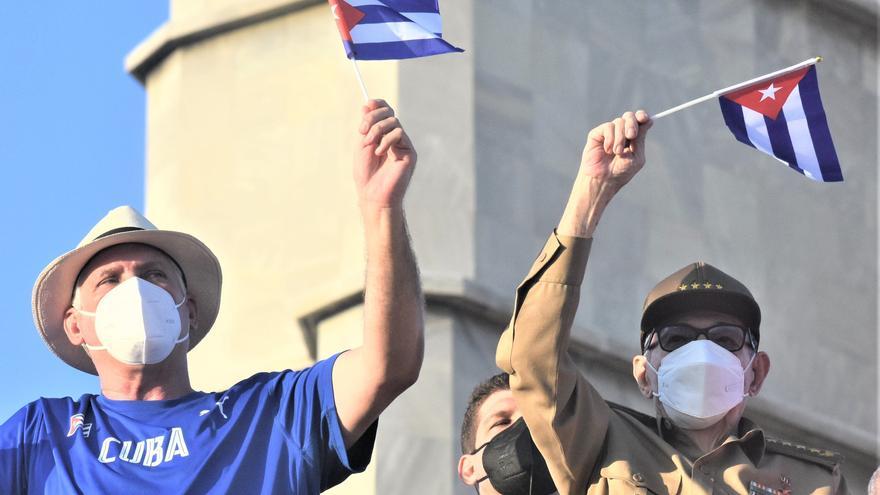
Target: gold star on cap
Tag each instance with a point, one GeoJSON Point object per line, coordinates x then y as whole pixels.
{"type": "Point", "coordinates": [707, 285]}
{"type": "Point", "coordinates": [718, 286]}
{"type": "Point", "coordinates": [683, 287]}
{"type": "Point", "coordinates": [695, 285]}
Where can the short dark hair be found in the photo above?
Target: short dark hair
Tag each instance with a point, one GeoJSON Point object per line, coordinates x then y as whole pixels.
{"type": "Point", "coordinates": [481, 392]}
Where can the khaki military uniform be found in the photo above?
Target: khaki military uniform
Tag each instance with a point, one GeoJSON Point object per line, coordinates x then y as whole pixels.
{"type": "Point", "coordinates": [596, 448]}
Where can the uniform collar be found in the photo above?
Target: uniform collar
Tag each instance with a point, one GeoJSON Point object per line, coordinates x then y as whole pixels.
{"type": "Point", "coordinates": [751, 440]}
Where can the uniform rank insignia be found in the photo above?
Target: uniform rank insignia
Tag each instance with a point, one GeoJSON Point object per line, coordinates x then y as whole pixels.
{"type": "Point", "coordinates": [756, 488]}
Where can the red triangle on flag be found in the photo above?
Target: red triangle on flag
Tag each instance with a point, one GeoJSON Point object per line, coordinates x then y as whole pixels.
{"type": "Point", "coordinates": [767, 97]}
{"type": "Point", "coordinates": [346, 17]}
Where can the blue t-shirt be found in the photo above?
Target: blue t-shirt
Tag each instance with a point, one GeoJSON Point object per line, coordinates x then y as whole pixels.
{"type": "Point", "coordinates": [272, 433]}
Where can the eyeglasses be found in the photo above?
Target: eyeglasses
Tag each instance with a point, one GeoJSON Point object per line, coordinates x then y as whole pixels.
{"type": "Point", "coordinates": [726, 335]}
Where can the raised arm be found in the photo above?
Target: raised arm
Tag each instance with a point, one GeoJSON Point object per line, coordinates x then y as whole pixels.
{"type": "Point", "coordinates": [566, 417]}
{"type": "Point", "coordinates": [367, 379]}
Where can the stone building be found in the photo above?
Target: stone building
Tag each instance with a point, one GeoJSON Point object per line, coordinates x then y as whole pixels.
{"type": "Point", "coordinates": [251, 115]}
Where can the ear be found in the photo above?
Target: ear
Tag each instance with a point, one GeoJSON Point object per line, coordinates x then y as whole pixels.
{"type": "Point", "coordinates": [467, 470]}
{"type": "Point", "coordinates": [71, 327]}
{"type": "Point", "coordinates": [640, 373]}
{"type": "Point", "coordinates": [760, 368]}
{"type": "Point", "coordinates": [193, 307]}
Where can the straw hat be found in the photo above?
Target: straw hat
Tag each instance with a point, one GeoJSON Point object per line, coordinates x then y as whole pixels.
{"type": "Point", "coordinates": [53, 289]}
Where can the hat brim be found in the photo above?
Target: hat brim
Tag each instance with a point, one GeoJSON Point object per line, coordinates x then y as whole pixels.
{"type": "Point", "coordinates": [676, 303]}
{"type": "Point", "coordinates": [53, 290]}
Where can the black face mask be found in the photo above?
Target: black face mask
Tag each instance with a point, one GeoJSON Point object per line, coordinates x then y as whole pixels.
{"type": "Point", "coordinates": [513, 464]}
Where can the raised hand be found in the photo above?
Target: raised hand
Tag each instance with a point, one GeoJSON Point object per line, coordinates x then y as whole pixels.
{"type": "Point", "coordinates": [385, 158]}
{"type": "Point", "coordinates": [614, 153]}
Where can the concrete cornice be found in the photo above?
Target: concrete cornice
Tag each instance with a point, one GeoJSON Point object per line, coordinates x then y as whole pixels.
{"type": "Point", "coordinates": [177, 33]}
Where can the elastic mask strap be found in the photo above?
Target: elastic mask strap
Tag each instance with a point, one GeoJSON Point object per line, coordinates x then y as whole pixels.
{"type": "Point", "coordinates": [749, 365]}
{"type": "Point", "coordinates": [657, 373]}
{"type": "Point", "coordinates": [484, 478]}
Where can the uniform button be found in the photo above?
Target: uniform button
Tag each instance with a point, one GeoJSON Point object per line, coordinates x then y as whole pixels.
{"type": "Point", "coordinates": [542, 257]}
{"type": "Point", "coordinates": [638, 478]}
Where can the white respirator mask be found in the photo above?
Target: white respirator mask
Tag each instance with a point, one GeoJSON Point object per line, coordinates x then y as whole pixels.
{"type": "Point", "coordinates": [137, 323]}
{"type": "Point", "coordinates": [699, 383]}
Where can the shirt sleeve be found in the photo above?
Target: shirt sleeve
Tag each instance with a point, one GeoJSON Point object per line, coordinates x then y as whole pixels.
{"type": "Point", "coordinates": [15, 435]}
{"type": "Point", "coordinates": [308, 412]}
{"type": "Point", "coordinates": [566, 416]}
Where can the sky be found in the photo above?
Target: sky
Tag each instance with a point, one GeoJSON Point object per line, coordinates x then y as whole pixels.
{"type": "Point", "coordinates": [71, 148]}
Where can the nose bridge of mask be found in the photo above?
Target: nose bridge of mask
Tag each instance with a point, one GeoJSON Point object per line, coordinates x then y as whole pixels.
{"type": "Point", "coordinates": [132, 280]}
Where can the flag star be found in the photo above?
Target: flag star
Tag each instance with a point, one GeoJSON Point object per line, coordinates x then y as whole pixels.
{"type": "Point", "coordinates": [770, 92]}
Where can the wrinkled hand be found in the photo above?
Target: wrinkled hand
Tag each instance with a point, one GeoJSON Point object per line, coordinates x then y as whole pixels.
{"type": "Point", "coordinates": [615, 151]}
{"type": "Point", "coordinates": [385, 158]}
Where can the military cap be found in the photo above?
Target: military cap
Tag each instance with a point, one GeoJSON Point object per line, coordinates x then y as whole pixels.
{"type": "Point", "coordinates": [699, 286]}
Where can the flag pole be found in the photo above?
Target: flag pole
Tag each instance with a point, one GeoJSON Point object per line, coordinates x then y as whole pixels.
{"type": "Point", "coordinates": [357, 72]}
{"type": "Point", "coordinates": [716, 94]}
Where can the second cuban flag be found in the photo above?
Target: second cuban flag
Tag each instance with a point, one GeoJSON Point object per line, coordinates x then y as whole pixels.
{"type": "Point", "coordinates": [784, 118]}
{"type": "Point", "coordinates": [390, 29]}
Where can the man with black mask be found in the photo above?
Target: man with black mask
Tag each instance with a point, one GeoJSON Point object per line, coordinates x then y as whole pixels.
{"type": "Point", "coordinates": [497, 452]}
{"type": "Point", "coordinates": [699, 363]}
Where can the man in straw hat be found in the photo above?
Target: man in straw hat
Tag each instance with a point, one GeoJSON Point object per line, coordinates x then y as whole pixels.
{"type": "Point", "coordinates": [131, 300]}
{"type": "Point", "coordinates": [541, 427]}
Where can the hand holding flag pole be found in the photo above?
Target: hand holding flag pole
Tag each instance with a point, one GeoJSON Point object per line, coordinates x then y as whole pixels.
{"type": "Point", "coordinates": [730, 89]}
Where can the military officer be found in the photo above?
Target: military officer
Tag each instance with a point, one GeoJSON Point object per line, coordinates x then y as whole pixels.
{"type": "Point", "coordinates": [699, 363]}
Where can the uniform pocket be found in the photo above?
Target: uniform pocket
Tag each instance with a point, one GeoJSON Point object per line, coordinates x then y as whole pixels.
{"type": "Point", "coordinates": [624, 480]}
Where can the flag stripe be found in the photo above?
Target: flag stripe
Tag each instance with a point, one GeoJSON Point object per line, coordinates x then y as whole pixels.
{"type": "Point", "coordinates": [757, 130]}
{"type": "Point", "coordinates": [780, 139]}
{"type": "Point", "coordinates": [733, 117]}
{"type": "Point", "coordinates": [398, 49]}
{"type": "Point", "coordinates": [413, 5]}
{"type": "Point", "coordinates": [429, 21]}
{"type": "Point", "coordinates": [389, 32]}
{"type": "Point", "coordinates": [818, 125]}
{"type": "Point", "coordinates": [799, 131]}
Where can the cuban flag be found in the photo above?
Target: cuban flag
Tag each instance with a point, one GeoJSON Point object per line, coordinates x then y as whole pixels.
{"type": "Point", "coordinates": [390, 29]}
{"type": "Point", "coordinates": [784, 118]}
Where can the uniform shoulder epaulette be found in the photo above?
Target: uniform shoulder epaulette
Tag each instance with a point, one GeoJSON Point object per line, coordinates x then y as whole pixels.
{"type": "Point", "coordinates": [641, 417]}
{"type": "Point", "coordinates": [824, 457]}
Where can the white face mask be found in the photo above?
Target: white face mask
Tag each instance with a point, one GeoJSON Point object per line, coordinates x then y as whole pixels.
{"type": "Point", "coordinates": [137, 322]}
{"type": "Point", "coordinates": [699, 383]}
